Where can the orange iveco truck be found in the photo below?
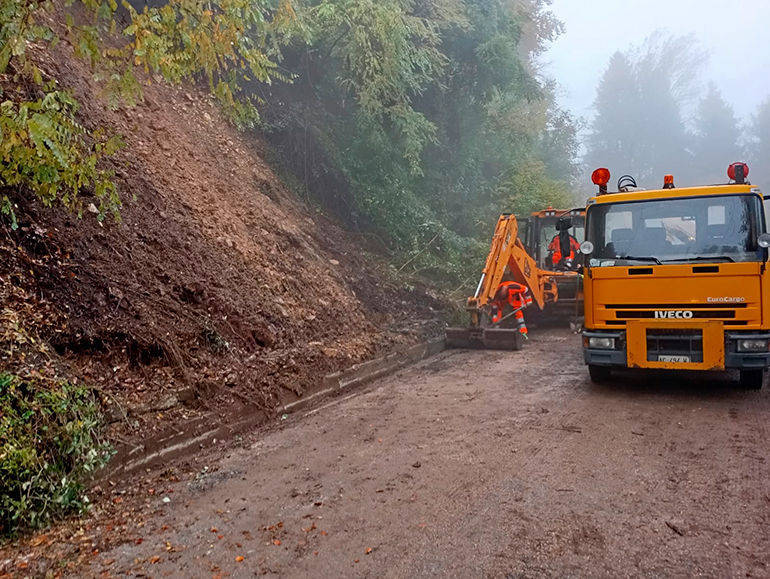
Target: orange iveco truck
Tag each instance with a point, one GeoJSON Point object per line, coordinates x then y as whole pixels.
{"type": "Point", "coordinates": [677, 278]}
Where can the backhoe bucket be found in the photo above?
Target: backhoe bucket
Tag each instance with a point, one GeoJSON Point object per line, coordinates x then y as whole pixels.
{"type": "Point", "coordinates": [484, 338]}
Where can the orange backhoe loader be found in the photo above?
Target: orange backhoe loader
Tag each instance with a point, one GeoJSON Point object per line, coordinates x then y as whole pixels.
{"type": "Point", "coordinates": [511, 281]}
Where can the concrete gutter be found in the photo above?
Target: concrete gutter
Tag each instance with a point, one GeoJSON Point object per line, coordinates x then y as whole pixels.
{"type": "Point", "coordinates": [198, 433]}
{"type": "Point", "coordinates": [366, 372]}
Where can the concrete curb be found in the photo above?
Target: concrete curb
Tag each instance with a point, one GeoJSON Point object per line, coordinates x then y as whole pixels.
{"type": "Point", "coordinates": [366, 372]}
{"type": "Point", "coordinates": [199, 432]}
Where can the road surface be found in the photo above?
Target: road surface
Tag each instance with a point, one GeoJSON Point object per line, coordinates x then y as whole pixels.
{"type": "Point", "coordinates": [483, 463]}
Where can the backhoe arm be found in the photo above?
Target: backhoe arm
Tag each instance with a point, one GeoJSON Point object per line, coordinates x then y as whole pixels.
{"type": "Point", "coordinates": [507, 251]}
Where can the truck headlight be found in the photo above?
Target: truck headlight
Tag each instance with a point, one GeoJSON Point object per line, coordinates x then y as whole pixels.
{"type": "Point", "coordinates": [601, 343]}
{"type": "Point", "coordinates": [752, 345]}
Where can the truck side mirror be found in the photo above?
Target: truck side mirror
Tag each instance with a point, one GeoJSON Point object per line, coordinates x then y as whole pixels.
{"type": "Point", "coordinates": [586, 248]}
{"type": "Point", "coordinates": [764, 241]}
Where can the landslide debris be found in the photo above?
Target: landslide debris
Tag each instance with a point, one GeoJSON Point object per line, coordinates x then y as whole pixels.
{"type": "Point", "coordinates": [219, 290]}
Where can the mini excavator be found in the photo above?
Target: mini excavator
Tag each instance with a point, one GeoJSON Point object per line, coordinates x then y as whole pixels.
{"type": "Point", "coordinates": [495, 321]}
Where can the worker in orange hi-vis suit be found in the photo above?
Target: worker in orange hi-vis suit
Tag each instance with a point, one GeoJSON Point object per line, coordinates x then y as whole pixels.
{"type": "Point", "coordinates": [555, 249]}
{"type": "Point", "coordinates": [517, 296]}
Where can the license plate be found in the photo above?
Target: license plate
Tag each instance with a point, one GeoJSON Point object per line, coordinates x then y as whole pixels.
{"type": "Point", "coordinates": [662, 358]}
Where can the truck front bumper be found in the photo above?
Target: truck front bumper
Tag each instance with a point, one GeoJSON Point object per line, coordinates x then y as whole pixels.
{"type": "Point", "coordinates": [733, 359]}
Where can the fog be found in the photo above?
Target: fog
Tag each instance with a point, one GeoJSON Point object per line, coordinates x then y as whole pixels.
{"type": "Point", "coordinates": [698, 73]}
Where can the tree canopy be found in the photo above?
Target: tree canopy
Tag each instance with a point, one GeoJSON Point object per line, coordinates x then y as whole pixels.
{"type": "Point", "coordinates": [758, 153]}
{"type": "Point", "coordinates": [640, 126]}
{"type": "Point", "coordinates": [716, 141]}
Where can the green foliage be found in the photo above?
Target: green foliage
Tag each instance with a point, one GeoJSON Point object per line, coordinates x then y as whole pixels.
{"type": "Point", "coordinates": [19, 28]}
{"type": "Point", "coordinates": [233, 44]}
{"type": "Point", "coordinates": [46, 151]}
{"type": "Point", "coordinates": [49, 446]}
{"type": "Point", "coordinates": [529, 188]}
{"type": "Point", "coordinates": [384, 55]}
{"type": "Point", "coordinates": [431, 112]}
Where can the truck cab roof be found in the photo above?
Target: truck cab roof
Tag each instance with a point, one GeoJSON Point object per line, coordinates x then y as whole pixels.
{"type": "Point", "coordinates": [675, 193]}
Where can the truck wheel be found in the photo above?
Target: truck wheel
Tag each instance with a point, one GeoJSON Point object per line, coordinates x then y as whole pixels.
{"type": "Point", "coordinates": [599, 374]}
{"type": "Point", "coordinates": [752, 379]}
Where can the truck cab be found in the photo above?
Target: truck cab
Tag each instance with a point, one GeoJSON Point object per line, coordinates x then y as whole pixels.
{"type": "Point", "coordinates": [676, 279]}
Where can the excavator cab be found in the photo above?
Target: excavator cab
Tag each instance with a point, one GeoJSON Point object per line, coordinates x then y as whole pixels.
{"type": "Point", "coordinates": [558, 233]}
{"type": "Point", "coordinates": [540, 230]}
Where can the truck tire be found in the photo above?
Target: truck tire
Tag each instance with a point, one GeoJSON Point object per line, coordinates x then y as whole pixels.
{"type": "Point", "coordinates": [599, 374]}
{"type": "Point", "coordinates": [752, 379]}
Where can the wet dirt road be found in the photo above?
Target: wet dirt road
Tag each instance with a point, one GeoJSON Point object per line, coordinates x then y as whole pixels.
{"type": "Point", "coordinates": [484, 463]}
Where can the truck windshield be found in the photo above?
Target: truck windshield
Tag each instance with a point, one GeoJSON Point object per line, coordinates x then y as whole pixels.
{"type": "Point", "coordinates": [713, 228]}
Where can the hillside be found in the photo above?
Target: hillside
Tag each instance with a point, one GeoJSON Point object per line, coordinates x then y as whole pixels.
{"type": "Point", "coordinates": [218, 290]}
{"type": "Point", "coordinates": [162, 286]}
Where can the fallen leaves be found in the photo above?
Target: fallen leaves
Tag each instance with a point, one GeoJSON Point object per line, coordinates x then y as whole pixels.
{"type": "Point", "coordinates": [39, 540]}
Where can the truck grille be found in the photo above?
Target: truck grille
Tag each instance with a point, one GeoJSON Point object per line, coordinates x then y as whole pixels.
{"type": "Point", "coordinates": [687, 343]}
{"type": "Point", "coordinates": [697, 315]}
{"type": "Point", "coordinates": [657, 311]}
{"type": "Point", "coordinates": [690, 306]}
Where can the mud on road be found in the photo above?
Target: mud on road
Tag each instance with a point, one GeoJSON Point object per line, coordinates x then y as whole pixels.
{"type": "Point", "coordinates": [483, 463]}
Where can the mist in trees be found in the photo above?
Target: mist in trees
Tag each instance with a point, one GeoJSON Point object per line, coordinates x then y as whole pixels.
{"type": "Point", "coordinates": [640, 126]}
{"type": "Point", "coordinates": [424, 121]}
{"type": "Point", "coordinates": [654, 116]}
{"type": "Point", "coordinates": [758, 153]}
{"type": "Point", "coordinates": [716, 142]}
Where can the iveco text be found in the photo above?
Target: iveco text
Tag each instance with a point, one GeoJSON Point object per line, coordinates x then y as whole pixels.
{"type": "Point", "coordinates": [673, 315]}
